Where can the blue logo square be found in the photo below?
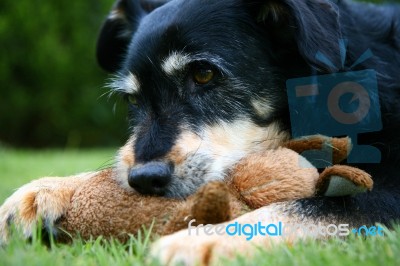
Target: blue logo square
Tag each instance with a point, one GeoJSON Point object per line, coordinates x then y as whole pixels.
{"type": "Point", "coordinates": [337, 104]}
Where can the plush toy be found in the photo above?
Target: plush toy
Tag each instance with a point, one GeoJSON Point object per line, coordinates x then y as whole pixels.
{"type": "Point", "coordinates": [101, 207]}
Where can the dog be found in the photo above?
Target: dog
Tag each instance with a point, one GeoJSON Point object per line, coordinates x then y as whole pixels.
{"type": "Point", "coordinates": [205, 82]}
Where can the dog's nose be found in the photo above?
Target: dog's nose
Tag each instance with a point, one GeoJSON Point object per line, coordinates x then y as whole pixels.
{"type": "Point", "coordinates": [151, 178]}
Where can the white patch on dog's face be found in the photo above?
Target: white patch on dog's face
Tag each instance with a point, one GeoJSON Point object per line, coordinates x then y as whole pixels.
{"type": "Point", "coordinates": [127, 83]}
{"type": "Point", "coordinates": [175, 62]}
{"type": "Point", "coordinates": [226, 143]}
{"type": "Point", "coordinates": [117, 14]}
{"type": "Point", "coordinates": [262, 107]}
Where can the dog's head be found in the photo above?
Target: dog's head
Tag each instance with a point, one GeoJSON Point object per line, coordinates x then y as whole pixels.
{"type": "Point", "coordinates": [205, 82]}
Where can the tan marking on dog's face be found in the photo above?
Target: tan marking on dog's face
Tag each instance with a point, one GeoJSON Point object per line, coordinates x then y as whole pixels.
{"type": "Point", "coordinates": [125, 160]}
{"type": "Point", "coordinates": [126, 153]}
{"type": "Point", "coordinates": [187, 143]}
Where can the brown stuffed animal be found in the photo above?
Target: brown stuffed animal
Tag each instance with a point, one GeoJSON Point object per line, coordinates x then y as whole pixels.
{"type": "Point", "coordinates": [101, 207]}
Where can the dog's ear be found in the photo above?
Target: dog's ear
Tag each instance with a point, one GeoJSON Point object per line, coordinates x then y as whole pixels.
{"type": "Point", "coordinates": [311, 26]}
{"type": "Point", "coordinates": [118, 29]}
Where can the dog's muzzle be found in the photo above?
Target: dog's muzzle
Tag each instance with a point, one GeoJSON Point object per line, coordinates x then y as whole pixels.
{"type": "Point", "coordinates": [151, 178]}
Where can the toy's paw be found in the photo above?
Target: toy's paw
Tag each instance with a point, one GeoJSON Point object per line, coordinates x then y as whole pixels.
{"type": "Point", "coordinates": [183, 249]}
{"type": "Point", "coordinates": [46, 199]}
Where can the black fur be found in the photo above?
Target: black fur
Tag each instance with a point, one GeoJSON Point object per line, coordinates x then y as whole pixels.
{"type": "Point", "coordinates": [261, 44]}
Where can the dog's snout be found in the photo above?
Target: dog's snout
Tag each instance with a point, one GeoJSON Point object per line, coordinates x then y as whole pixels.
{"type": "Point", "coordinates": [151, 178]}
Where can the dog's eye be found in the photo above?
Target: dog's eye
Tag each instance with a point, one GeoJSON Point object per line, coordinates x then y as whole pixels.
{"type": "Point", "coordinates": [203, 75]}
{"type": "Point", "coordinates": [132, 99]}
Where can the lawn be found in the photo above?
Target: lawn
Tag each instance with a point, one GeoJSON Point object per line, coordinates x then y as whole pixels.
{"type": "Point", "coordinates": [19, 166]}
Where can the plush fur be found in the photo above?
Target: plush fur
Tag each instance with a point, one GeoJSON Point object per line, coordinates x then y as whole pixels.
{"type": "Point", "coordinates": [101, 207]}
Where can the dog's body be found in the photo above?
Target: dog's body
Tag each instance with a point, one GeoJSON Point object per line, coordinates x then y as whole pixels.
{"type": "Point", "coordinates": [207, 85]}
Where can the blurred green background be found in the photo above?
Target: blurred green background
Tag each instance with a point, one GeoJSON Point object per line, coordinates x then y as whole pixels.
{"type": "Point", "coordinates": [51, 86]}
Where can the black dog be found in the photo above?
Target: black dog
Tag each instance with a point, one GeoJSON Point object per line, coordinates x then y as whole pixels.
{"type": "Point", "coordinates": [206, 85]}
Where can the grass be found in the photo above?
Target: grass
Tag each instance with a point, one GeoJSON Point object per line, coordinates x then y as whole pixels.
{"type": "Point", "coordinates": [20, 166]}
{"type": "Point", "coordinates": [17, 167]}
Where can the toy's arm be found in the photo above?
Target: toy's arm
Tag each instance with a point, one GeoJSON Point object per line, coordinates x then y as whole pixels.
{"type": "Point", "coordinates": [46, 198]}
{"type": "Point", "coordinates": [339, 147]}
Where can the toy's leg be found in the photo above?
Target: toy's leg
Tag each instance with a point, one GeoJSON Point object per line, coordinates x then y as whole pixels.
{"type": "Point", "coordinates": [46, 199]}
{"type": "Point", "coordinates": [343, 180]}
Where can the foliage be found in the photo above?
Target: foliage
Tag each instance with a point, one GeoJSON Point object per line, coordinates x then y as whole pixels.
{"type": "Point", "coordinates": [51, 85]}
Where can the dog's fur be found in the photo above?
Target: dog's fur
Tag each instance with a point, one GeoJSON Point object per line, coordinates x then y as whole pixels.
{"type": "Point", "coordinates": [186, 133]}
